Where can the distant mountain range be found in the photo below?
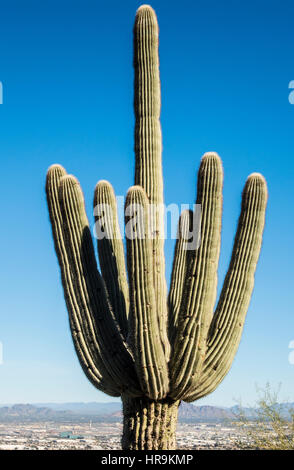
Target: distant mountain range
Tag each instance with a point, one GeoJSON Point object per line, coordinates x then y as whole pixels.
{"type": "Point", "coordinates": [111, 412]}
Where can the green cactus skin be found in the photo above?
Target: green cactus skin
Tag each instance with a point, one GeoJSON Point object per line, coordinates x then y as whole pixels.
{"type": "Point", "coordinates": [111, 254]}
{"type": "Point", "coordinates": [144, 335]}
{"type": "Point", "coordinates": [148, 146]}
{"type": "Point", "coordinates": [201, 279]}
{"type": "Point", "coordinates": [179, 272]}
{"type": "Point", "coordinates": [131, 339]}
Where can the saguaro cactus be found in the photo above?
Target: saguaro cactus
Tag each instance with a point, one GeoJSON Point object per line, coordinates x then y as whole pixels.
{"type": "Point", "coordinates": [133, 340]}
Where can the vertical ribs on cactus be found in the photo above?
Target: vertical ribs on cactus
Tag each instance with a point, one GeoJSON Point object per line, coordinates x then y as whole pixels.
{"type": "Point", "coordinates": [132, 339]}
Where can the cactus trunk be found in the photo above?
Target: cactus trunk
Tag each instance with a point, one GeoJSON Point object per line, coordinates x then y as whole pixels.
{"type": "Point", "coordinates": [149, 424]}
{"type": "Point", "coordinates": [132, 340]}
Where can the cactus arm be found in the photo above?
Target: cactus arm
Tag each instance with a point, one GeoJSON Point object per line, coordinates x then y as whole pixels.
{"type": "Point", "coordinates": [90, 287]}
{"type": "Point", "coordinates": [111, 253]}
{"type": "Point", "coordinates": [148, 146]}
{"type": "Point", "coordinates": [228, 320]}
{"type": "Point", "coordinates": [178, 272]}
{"type": "Point", "coordinates": [91, 365]}
{"type": "Point", "coordinates": [143, 336]}
{"type": "Point", "coordinates": [200, 287]}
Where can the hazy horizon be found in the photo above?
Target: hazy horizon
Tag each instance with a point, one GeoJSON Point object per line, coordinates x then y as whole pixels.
{"type": "Point", "coordinates": [67, 76]}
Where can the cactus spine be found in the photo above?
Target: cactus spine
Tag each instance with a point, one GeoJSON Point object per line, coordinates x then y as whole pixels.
{"type": "Point", "coordinates": [131, 340]}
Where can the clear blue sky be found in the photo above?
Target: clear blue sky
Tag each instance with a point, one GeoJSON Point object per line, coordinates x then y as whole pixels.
{"type": "Point", "coordinates": [66, 69]}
